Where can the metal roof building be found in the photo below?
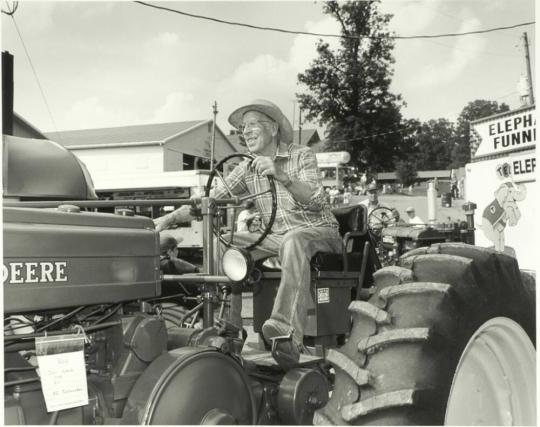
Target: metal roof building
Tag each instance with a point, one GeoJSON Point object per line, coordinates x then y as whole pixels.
{"type": "Point", "coordinates": [158, 147]}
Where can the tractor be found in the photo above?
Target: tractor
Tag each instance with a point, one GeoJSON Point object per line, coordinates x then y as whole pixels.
{"type": "Point", "coordinates": [444, 335]}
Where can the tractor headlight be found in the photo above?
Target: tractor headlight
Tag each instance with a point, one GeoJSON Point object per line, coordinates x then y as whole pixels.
{"type": "Point", "coordinates": [237, 264]}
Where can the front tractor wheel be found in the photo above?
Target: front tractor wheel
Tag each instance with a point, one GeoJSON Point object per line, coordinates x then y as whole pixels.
{"type": "Point", "coordinates": [446, 338]}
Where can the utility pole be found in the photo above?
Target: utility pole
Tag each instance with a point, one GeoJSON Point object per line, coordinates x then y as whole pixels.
{"type": "Point", "coordinates": [7, 93]}
{"type": "Point", "coordinates": [299, 126]}
{"type": "Point", "coordinates": [215, 111]}
{"type": "Point", "coordinates": [528, 65]}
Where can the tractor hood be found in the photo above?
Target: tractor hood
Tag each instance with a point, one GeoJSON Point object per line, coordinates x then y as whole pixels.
{"type": "Point", "coordinates": [43, 169]}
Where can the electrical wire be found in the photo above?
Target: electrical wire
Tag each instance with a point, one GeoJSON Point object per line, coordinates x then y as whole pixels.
{"type": "Point", "coordinates": [372, 135]}
{"type": "Point", "coordinates": [307, 33]}
{"type": "Point", "coordinates": [35, 75]}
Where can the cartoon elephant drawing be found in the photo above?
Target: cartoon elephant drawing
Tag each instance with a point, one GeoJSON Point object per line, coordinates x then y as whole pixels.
{"type": "Point", "coordinates": [502, 210]}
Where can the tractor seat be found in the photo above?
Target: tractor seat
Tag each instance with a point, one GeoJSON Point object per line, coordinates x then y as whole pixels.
{"type": "Point", "coordinates": [352, 222]}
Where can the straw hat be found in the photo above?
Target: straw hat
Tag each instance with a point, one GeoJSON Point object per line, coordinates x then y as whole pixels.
{"type": "Point", "coordinates": [271, 110]}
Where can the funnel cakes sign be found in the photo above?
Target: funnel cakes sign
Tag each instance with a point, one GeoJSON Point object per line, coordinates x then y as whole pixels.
{"type": "Point", "coordinates": [503, 133]}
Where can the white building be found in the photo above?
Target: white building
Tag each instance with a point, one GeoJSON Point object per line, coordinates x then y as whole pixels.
{"type": "Point", "coordinates": [149, 148]}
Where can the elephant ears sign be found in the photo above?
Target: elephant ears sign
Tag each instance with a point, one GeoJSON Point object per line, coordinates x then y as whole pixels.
{"type": "Point", "coordinates": [501, 174]}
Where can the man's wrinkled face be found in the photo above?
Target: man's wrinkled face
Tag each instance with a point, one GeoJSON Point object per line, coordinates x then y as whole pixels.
{"type": "Point", "coordinates": [258, 130]}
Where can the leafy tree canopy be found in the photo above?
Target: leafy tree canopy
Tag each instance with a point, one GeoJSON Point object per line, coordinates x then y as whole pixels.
{"type": "Point", "coordinates": [480, 108]}
{"type": "Point", "coordinates": [348, 90]}
{"type": "Point", "coordinates": [406, 171]}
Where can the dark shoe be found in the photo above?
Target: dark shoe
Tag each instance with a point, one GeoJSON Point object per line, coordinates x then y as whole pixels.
{"type": "Point", "coordinates": [284, 350]}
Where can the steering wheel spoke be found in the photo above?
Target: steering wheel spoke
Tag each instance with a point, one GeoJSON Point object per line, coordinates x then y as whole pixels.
{"type": "Point", "coordinates": [218, 173]}
{"type": "Point", "coordinates": [253, 196]}
{"type": "Point", "coordinates": [378, 219]}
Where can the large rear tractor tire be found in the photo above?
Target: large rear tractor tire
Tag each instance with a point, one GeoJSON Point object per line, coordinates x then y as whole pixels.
{"type": "Point", "coordinates": [446, 338]}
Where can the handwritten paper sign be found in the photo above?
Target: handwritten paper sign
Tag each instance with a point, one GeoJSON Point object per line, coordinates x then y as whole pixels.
{"type": "Point", "coordinates": [62, 371]}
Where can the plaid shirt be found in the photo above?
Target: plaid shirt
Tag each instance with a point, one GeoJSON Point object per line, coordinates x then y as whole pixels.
{"type": "Point", "coordinates": [300, 164]}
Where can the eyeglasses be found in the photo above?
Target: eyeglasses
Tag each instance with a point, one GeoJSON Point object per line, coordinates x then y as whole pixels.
{"type": "Point", "coordinates": [245, 127]}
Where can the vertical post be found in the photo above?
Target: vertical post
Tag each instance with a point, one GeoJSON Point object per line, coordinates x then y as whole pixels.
{"type": "Point", "coordinates": [7, 93]}
{"type": "Point", "coordinates": [432, 203]}
{"type": "Point", "coordinates": [528, 65]}
{"type": "Point", "coordinates": [299, 126]}
{"type": "Point", "coordinates": [215, 111]}
{"type": "Point", "coordinates": [209, 261]}
{"type": "Point", "coordinates": [293, 112]}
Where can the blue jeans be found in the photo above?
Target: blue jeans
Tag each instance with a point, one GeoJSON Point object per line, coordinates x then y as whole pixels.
{"type": "Point", "coordinates": [295, 250]}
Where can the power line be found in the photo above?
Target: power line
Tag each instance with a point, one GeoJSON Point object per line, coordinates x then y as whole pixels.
{"type": "Point", "coordinates": [35, 74]}
{"type": "Point", "coordinates": [307, 33]}
{"type": "Point", "coordinates": [373, 135]}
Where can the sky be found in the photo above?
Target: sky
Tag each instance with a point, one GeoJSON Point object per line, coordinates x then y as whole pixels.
{"type": "Point", "coordinates": [107, 64]}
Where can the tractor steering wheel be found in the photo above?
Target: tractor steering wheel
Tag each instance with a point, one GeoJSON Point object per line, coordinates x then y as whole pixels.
{"type": "Point", "coordinates": [272, 190]}
{"type": "Point", "coordinates": [378, 219]}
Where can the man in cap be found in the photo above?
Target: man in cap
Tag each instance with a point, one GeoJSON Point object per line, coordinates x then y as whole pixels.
{"type": "Point", "coordinates": [372, 202]}
{"type": "Point", "coordinates": [304, 224]}
{"type": "Point", "coordinates": [413, 219]}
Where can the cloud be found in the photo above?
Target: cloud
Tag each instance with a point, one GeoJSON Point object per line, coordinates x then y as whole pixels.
{"type": "Point", "coordinates": [91, 113]}
{"type": "Point", "coordinates": [410, 18]}
{"type": "Point", "coordinates": [266, 76]}
{"type": "Point", "coordinates": [462, 52]}
{"type": "Point", "coordinates": [37, 16]}
{"type": "Point", "coordinates": [303, 50]}
{"type": "Point", "coordinates": [168, 39]}
{"type": "Point", "coordinates": [178, 106]}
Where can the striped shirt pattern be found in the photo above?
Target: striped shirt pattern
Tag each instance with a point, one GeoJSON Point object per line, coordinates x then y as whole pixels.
{"type": "Point", "coordinates": [300, 164]}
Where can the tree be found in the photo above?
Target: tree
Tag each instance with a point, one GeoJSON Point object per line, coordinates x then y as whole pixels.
{"type": "Point", "coordinates": [434, 144]}
{"type": "Point", "coordinates": [348, 90]}
{"type": "Point", "coordinates": [406, 171]}
{"type": "Point", "coordinates": [474, 110]}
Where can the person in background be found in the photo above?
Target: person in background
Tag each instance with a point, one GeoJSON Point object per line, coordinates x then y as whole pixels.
{"type": "Point", "coordinates": [413, 219]}
{"type": "Point", "coordinates": [461, 188]}
{"type": "Point", "coordinates": [436, 185]}
{"type": "Point", "coordinates": [168, 260]}
{"type": "Point", "coordinates": [254, 224]}
{"type": "Point", "coordinates": [372, 202]}
{"type": "Point", "coordinates": [334, 192]}
{"type": "Point", "coordinates": [248, 213]}
{"type": "Point", "coordinates": [396, 218]}
{"type": "Point", "coordinates": [347, 195]}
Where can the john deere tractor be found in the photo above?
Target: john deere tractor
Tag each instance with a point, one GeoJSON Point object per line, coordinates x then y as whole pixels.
{"type": "Point", "coordinates": [444, 336]}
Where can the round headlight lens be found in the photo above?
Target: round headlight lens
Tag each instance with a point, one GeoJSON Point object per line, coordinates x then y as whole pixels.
{"type": "Point", "coordinates": [237, 264]}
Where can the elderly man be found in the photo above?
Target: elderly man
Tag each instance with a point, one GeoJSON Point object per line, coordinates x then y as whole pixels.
{"type": "Point", "coordinates": [304, 224]}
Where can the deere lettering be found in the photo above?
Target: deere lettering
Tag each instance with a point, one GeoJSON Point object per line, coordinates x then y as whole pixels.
{"type": "Point", "coordinates": [513, 131]}
{"type": "Point", "coordinates": [34, 272]}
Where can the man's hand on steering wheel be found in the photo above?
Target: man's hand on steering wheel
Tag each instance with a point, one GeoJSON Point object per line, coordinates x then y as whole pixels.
{"type": "Point", "coordinates": [265, 166]}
